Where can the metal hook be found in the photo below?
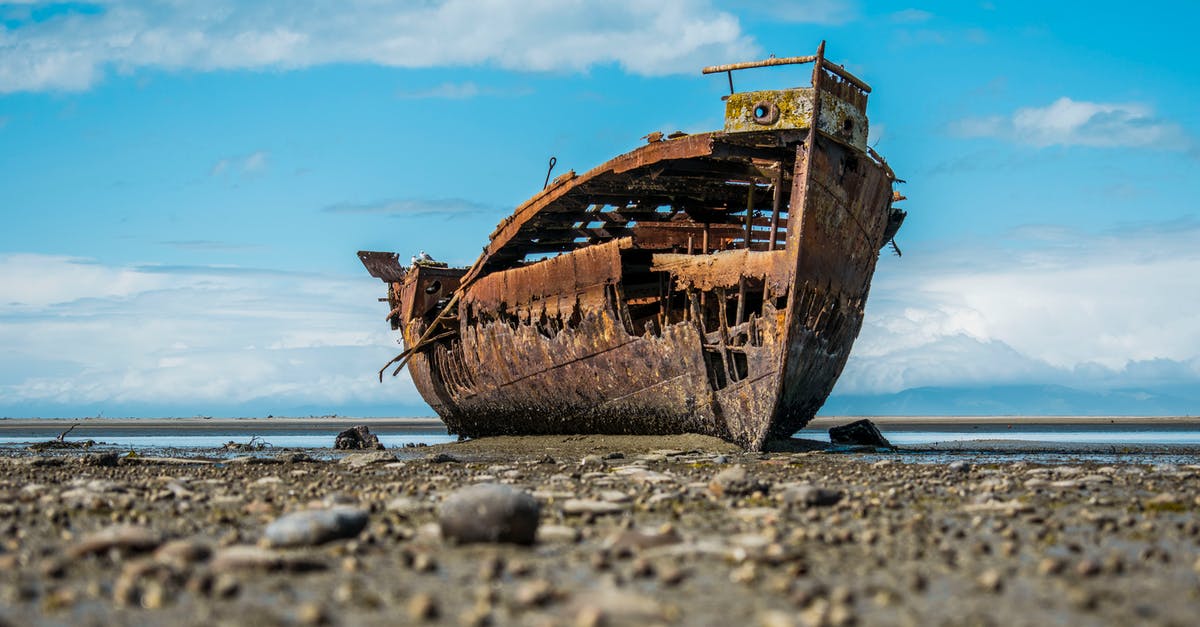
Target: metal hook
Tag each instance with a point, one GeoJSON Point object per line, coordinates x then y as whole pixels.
{"type": "Point", "coordinates": [553, 161]}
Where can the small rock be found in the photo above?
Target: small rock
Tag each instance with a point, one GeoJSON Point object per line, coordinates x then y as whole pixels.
{"type": "Point", "coordinates": [1087, 568]}
{"type": "Point", "coordinates": [990, 581]}
{"type": "Point", "coordinates": [444, 458]}
{"type": "Point", "coordinates": [489, 512]}
{"type": "Point", "coordinates": [422, 607]}
{"type": "Point", "coordinates": [576, 507]}
{"type": "Point", "coordinates": [631, 540]}
{"type": "Point", "coordinates": [251, 558]}
{"type": "Point", "coordinates": [807, 495]}
{"type": "Point", "coordinates": [591, 461]}
{"type": "Point", "coordinates": [357, 438]}
{"type": "Point", "coordinates": [312, 614]}
{"type": "Point", "coordinates": [734, 481]}
{"type": "Point", "coordinates": [534, 593]}
{"type": "Point", "coordinates": [862, 432]}
{"type": "Point", "coordinates": [99, 459]}
{"type": "Point", "coordinates": [405, 506]}
{"type": "Point", "coordinates": [182, 553]}
{"type": "Point", "coordinates": [359, 460]}
{"type": "Point", "coordinates": [315, 526]}
{"type": "Point", "coordinates": [1051, 566]}
{"type": "Point", "coordinates": [959, 466]}
{"type": "Point", "coordinates": [557, 534]}
{"type": "Point", "coordinates": [130, 538]}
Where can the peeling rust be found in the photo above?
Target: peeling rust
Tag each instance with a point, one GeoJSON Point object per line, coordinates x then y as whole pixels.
{"type": "Point", "coordinates": [710, 283]}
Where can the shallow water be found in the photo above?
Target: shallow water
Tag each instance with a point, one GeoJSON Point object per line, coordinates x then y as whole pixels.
{"type": "Point", "coordinates": [1031, 442]}
{"type": "Point", "coordinates": [1031, 433]}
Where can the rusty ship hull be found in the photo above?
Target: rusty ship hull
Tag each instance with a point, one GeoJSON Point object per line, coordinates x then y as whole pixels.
{"type": "Point", "coordinates": [710, 283]}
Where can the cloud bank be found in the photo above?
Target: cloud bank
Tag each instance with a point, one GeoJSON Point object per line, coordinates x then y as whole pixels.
{"type": "Point", "coordinates": [75, 47]}
{"type": "Point", "coordinates": [86, 337]}
{"type": "Point", "coordinates": [1040, 307]}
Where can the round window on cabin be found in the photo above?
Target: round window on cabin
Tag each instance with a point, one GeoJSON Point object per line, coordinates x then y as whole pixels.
{"type": "Point", "coordinates": [766, 113]}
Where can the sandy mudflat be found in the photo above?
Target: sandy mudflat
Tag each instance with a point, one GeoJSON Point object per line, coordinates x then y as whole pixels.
{"type": "Point", "coordinates": [674, 530]}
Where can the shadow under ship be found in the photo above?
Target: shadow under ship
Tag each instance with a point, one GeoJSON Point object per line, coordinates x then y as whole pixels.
{"type": "Point", "coordinates": [708, 283]}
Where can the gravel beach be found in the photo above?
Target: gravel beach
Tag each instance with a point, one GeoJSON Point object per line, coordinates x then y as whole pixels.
{"type": "Point", "coordinates": [595, 530]}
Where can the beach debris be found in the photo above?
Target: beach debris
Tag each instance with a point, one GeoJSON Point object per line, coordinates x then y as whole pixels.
{"type": "Point", "coordinates": [315, 526]}
{"type": "Point", "coordinates": [60, 442]}
{"type": "Point", "coordinates": [862, 432]}
{"type": "Point", "coordinates": [256, 443]}
{"type": "Point", "coordinates": [357, 438]}
{"type": "Point", "coordinates": [489, 512]}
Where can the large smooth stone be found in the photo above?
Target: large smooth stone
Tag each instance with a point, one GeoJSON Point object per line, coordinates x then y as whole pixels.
{"type": "Point", "coordinates": [315, 526]}
{"type": "Point", "coordinates": [489, 512]}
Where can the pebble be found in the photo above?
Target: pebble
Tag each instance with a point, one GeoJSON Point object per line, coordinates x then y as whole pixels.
{"type": "Point", "coordinates": [182, 553]}
{"type": "Point", "coordinates": [252, 558]}
{"type": "Point", "coordinates": [422, 607]}
{"type": "Point", "coordinates": [990, 581]}
{"type": "Point", "coordinates": [489, 512]}
{"type": "Point", "coordinates": [315, 526]}
{"type": "Point", "coordinates": [734, 481]}
{"type": "Point", "coordinates": [130, 538]}
{"type": "Point", "coordinates": [360, 460]}
{"type": "Point", "coordinates": [807, 495]}
{"type": "Point", "coordinates": [576, 507]}
{"type": "Point", "coordinates": [557, 534]}
{"type": "Point", "coordinates": [538, 592]}
{"type": "Point", "coordinates": [631, 540]}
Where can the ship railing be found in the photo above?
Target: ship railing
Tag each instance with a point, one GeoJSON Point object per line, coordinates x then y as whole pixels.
{"type": "Point", "coordinates": [845, 76]}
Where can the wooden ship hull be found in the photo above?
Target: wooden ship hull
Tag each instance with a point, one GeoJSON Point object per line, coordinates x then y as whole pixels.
{"type": "Point", "coordinates": [709, 283]}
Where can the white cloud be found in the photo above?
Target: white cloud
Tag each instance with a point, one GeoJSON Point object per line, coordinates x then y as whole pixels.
{"type": "Point", "coordinates": [911, 16]}
{"type": "Point", "coordinates": [73, 51]}
{"type": "Point", "coordinates": [253, 163]}
{"type": "Point", "coordinates": [1048, 305]}
{"type": "Point", "coordinates": [1067, 122]}
{"type": "Point", "coordinates": [93, 335]}
{"type": "Point", "coordinates": [409, 207]}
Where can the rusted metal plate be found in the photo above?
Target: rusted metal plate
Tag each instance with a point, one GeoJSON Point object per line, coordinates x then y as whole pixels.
{"type": "Point", "coordinates": [726, 269]}
{"type": "Point", "coordinates": [385, 266]}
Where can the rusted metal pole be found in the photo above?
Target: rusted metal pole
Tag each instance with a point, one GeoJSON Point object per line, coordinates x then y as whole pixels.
{"type": "Point", "coordinates": [749, 212]}
{"type": "Point", "coordinates": [741, 308]}
{"type": "Point", "coordinates": [776, 206]}
{"type": "Point", "coordinates": [836, 69]}
{"type": "Point", "coordinates": [745, 65]}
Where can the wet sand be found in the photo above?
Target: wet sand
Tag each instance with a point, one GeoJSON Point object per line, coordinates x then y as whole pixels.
{"type": "Point", "coordinates": [633, 530]}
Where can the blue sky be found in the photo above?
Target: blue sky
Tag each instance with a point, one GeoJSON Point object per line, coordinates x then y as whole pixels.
{"type": "Point", "coordinates": [183, 185]}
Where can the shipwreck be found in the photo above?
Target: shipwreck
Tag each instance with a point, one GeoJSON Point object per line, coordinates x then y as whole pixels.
{"type": "Point", "coordinates": [709, 283]}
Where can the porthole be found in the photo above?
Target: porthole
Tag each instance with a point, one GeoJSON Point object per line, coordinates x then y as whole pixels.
{"type": "Point", "coordinates": [766, 113]}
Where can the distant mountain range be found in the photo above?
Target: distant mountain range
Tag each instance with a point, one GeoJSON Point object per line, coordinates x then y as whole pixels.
{"type": "Point", "coordinates": [1019, 400]}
